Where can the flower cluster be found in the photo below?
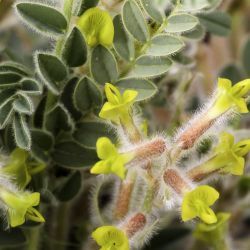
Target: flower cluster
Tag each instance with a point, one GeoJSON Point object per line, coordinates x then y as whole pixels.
{"type": "Point", "coordinates": [15, 175]}
{"type": "Point", "coordinates": [154, 162]}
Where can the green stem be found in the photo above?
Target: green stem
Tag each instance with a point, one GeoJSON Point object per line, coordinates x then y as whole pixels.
{"type": "Point", "coordinates": [62, 224]}
{"type": "Point", "coordinates": [34, 238]}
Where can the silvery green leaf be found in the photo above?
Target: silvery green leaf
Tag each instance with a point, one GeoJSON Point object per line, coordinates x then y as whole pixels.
{"type": "Point", "coordinates": [42, 143]}
{"type": "Point", "coordinates": [152, 10]}
{"type": "Point", "coordinates": [43, 18]}
{"type": "Point", "coordinates": [68, 100]}
{"type": "Point", "coordinates": [30, 86]}
{"type": "Point", "coordinates": [87, 95]}
{"type": "Point", "coordinates": [134, 21]}
{"type": "Point", "coordinates": [9, 79]}
{"type": "Point", "coordinates": [197, 33]}
{"type": "Point", "coordinates": [164, 45]}
{"type": "Point", "coordinates": [68, 189]}
{"type": "Point", "coordinates": [123, 43]}
{"type": "Point", "coordinates": [21, 131]}
{"type": "Point", "coordinates": [216, 22]}
{"type": "Point", "coordinates": [6, 112]}
{"type": "Point", "coordinates": [75, 49]}
{"type": "Point", "coordinates": [150, 66]}
{"type": "Point", "coordinates": [181, 22]}
{"type": "Point", "coordinates": [103, 65]}
{"type": "Point", "coordinates": [57, 119]}
{"type": "Point", "coordinates": [51, 70]}
{"type": "Point", "coordinates": [23, 104]}
{"type": "Point", "coordinates": [145, 88]}
{"type": "Point", "coordinates": [88, 132]}
{"type": "Point", "coordinates": [14, 67]}
{"type": "Point", "coordinates": [193, 5]}
{"type": "Point", "coordinates": [72, 155]}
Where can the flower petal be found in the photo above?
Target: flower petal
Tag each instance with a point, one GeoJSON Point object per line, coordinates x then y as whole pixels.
{"type": "Point", "coordinates": [113, 94]}
{"type": "Point", "coordinates": [206, 193]}
{"type": "Point", "coordinates": [208, 216]}
{"type": "Point", "coordinates": [118, 168]}
{"type": "Point", "coordinates": [224, 84]}
{"type": "Point", "coordinates": [105, 148]}
{"type": "Point", "coordinates": [241, 88]}
{"type": "Point", "coordinates": [97, 26]}
{"type": "Point", "coordinates": [242, 147]}
{"type": "Point", "coordinates": [129, 96]}
{"type": "Point", "coordinates": [110, 237]}
{"type": "Point", "coordinates": [101, 167]}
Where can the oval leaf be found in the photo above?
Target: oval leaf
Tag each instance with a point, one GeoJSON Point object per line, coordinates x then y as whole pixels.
{"type": "Point", "coordinates": [164, 45]}
{"type": "Point", "coordinates": [152, 10]}
{"type": "Point", "coordinates": [134, 21]}
{"type": "Point", "coordinates": [57, 119]}
{"type": "Point", "coordinates": [21, 132]}
{"type": "Point", "coordinates": [87, 95]}
{"type": "Point", "coordinates": [88, 132]}
{"type": "Point", "coordinates": [123, 44]}
{"type": "Point", "coordinates": [149, 66]}
{"type": "Point", "coordinates": [75, 49]}
{"type": "Point", "coordinates": [14, 67]}
{"type": "Point", "coordinates": [51, 70]}
{"type": "Point", "coordinates": [42, 143]}
{"type": "Point", "coordinates": [6, 112]}
{"type": "Point", "coordinates": [103, 65]}
{"type": "Point", "coordinates": [72, 155]}
{"type": "Point", "coordinates": [23, 104]}
{"type": "Point", "coordinates": [9, 79]}
{"type": "Point", "coordinates": [30, 86]}
{"type": "Point", "coordinates": [43, 18]}
{"type": "Point", "coordinates": [193, 5]}
{"type": "Point", "coordinates": [181, 22]}
{"type": "Point", "coordinates": [197, 33]}
{"type": "Point", "coordinates": [69, 188]}
{"type": "Point", "coordinates": [67, 98]}
{"type": "Point", "coordinates": [145, 88]}
{"type": "Point", "coordinates": [216, 22]}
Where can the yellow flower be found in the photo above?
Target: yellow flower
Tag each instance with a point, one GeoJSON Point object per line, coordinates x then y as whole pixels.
{"type": "Point", "coordinates": [97, 26]}
{"type": "Point", "coordinates": [213, 233]}
{"type": "Point", "coordinates": [20, 206]}
{"type": "Point", "coordinates": [229, 156]}
{"type": "Point", "coordinates": [17, 167]}
{"type": "Point", "coordinates": [110, 238]}
{"type": "Point", "coordinates": [230, 97]}
{"type": "Point", "coordinates": [197, 202]}
{"type": "Point", "coordinates": [111, 161]}
{"type": "Point", "coordinates": [117, 108]}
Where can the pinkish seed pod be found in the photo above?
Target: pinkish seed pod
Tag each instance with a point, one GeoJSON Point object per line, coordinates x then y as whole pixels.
{"type": "Point", "coordinates": [173, 179]}
{"type": "Point", "coordinates": [190, 135]}
{"type": "Point", "coordinates": [123, 200]}
{"type": "Point", "coordinates": [149, 150]}
{"type": "Point", "coordinates": [135, 224]}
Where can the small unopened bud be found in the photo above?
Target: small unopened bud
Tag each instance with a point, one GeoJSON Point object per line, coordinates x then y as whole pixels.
{"type": "Point", "coordinates": [135, 224]}
{"type": "Point", "coordinates": [200, 173]}
{"type": "Point", "coordinates": [149, 150]}
{"type": "Point", "coordinates": [190, 135]}
{"type": "Point", "coordinates": [173, 179]}
{"type": "Point", "coordinates": [123, 200]}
